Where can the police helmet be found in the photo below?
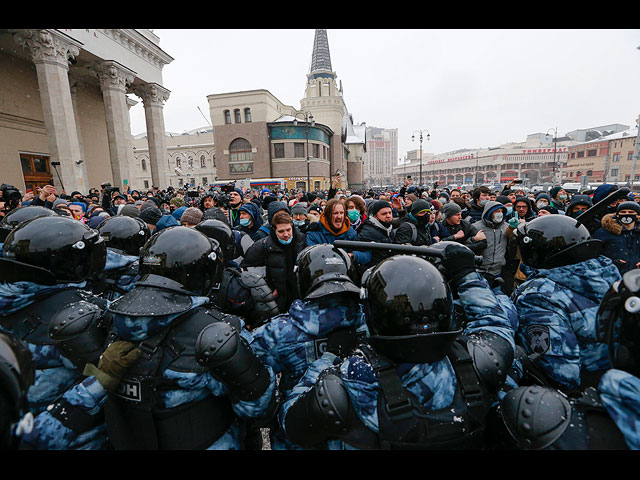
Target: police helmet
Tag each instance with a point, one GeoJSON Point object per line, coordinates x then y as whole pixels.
{"type": "Point", "coordinates": [618, 323]}
{"type": "Point", "coordinates": [186, 256]}
{"type": "Point", "coordinates": [16, 376]}
{"type": "Point", "coordinates": [21, 214]}
{"type": "Point", "coordinates": [410, 309]}
{"type": "Point", "coordinates": [220, 231]}
{"type": "Point", "coordinates": [554, 241]}
{"type": "Point", "coordinates": [50, 250]}
{"type": "Point", "coordinates": [325, 269]}
{"type": "Point", "coordinates": [124, 233]}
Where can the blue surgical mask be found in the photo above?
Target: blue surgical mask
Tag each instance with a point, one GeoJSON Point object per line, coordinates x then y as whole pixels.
{"type": "Point", "coordinates": [482, 203]}
{"type": "Point", "coordinates": [298, 223]}
{"type": "Point", "coordinates": [353, 215]}
{"type": "Point", "coordinates": [245, 222]}
{"type": "Point", "coordinates": [286, 242]}
{"type": "Point", "coordinates": [509, 210]}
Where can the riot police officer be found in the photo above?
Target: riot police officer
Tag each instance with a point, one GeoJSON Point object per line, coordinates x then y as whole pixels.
{"type": "Point", "coordinates": [241, 293]}
{"type": "Point", "coordinates": [328, 318]}
{"type": "Point", "coordinates": [44, 267]}
{"type": "Point", "coordinates": [419, 381]}
{"type": "Point", "coordinates": [594, 418]}
{"type": "Point", "coordinates": [124, 236]}
{"type": "Point", "coordinates": [18, 215]}
{"type": "Point", "coordinates": [567, 278]}
{"type": "Point", "coordinates": [197, 379]}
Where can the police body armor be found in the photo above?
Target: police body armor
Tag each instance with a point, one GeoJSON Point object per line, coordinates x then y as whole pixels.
{"type": "Point", "coordinates": [135, 415]}
{"type": "Point", "coordinates": [538, 418]}
{"type": "Point", "coordinates": [480, 368]}
{"type": "Point", "coordinates": [31, 324]}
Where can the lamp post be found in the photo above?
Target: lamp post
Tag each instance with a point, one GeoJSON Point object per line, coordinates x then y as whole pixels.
{"type": "Point", "coordinates": [555, 142]}
{"type": "Point", "coordinates": [412, 139]}
{"type": "Point", "coordinates": [308, 118]}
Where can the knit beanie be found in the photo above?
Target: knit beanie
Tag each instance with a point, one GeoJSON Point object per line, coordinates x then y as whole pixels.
{"type": "Point", "coordinates": [554, 191]}
{"type": "Point", "coordinates": [412, 197]}
{"type": "Point", "coordinates": [603, 191]}
{"type": "Point", "coordinates": [376, 206]}
{"type": "Point", "coordinates": [177, 213]}
{"type": "Point", "coordinates": [192, 216]}
{"type": "Point", "coordinates": [450, 209]}
{"type": "Point", "coordinates": [299, 208]}
{"type": "Point", "coordinates": [130, 211]}
{"type": "Point", "coordinates": [436, 204]}
{"type": "Point", "coordinates": [629, 206]}
{"type": "Point", "coordinates": [151, 215]}
{"type": "Point", "coordinates": [503, 199]}
{"type": "Point", "coordinates": [177, 201]}
{"type": "Point", "coordinates": [148, 204]}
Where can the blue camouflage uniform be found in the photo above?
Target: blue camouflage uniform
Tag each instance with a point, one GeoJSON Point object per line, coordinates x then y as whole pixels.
{"type": "Point", "coordinates": [195, 386]}
{"type": "Point", "coordinates": [54, 373]}
{"type": "Point", "coordinates": [290, 342]}
{"type": "Point", "coordinates": [122, 269]}
{"type": "Point", "coordinates": [557, 310]}
{"type": "Point", "coordinates": [433, 384]}
{"type": "Point", "coordinates": [620, 394]}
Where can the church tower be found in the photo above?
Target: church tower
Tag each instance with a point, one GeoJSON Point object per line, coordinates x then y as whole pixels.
{"type": "Point", "coordinates": [323, 99]}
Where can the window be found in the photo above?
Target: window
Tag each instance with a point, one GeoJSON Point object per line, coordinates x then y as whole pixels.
{"type": "Point", "coordinates": [227, 117]}
{"type": "Point", "coordinates": [278, 150]}
{"type": "Point", "coordinates": [236, 112]}
{"type": "Point", "coordinates": [616, 158]}
{"type": "Point", "coordinates": [180, 182]}
{"type": "Point", "coordinates": [190, 162]}
{"type": "Point", "coordinates": [204, 181]}
{"type": "Point", "coordinates": [573, 155]}
{"type": "Point", "coordinates": [580, 155]}
{"type": "Point", "coordinates": [324, 152]}
{"type": "Point", "coordinates": [630, 156]}
{"type": "Point", "coordinates": [203, 162]}
{"type": "Point", "coordinates": [144, 165]}
{"type": "Point", "coordinates": [316, 150]}
{"type": "Point", "coordinates": [178, 162]}
{"type": "Point", "coordinates": [592, 153]}
{"type": "Point", "coordinates": [240, 156]}
{"type": "Point", "coordinates": [614, 172]}
{"type": "Point", "coordinates": [247, 115]}
{"type": "Point", "coordinates": [589, 172]}
{"type": "Point", "coordinates": [298, 150]}
{"type": "Point", "coordinates": [146, 184]}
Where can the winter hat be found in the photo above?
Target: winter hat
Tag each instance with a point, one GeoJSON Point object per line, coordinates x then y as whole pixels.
{"type": "Point", "coordinates": [550, 209]}
{"type": "Point", "coordinates": [419, 205]}
{"type": "Point", "coordinates": [58, 201]}
{"type": "Point", "coordinates": [130, 211]}
{"type": "Point", "coordinates": [554, 191]}
{"type": "Point", "coordinates": [177, 201]}
{"type": "Point", "coordinates": [629, 206]}
{"type": "Point", "coordinates": [96, 220]}
{"type": "Point", "coordinates": [177, 213]}
{"type": "Point", "coordinates": [151, 215]}
{"type": "Point", "coordinates": [264, 190]}
{"type": "Point", "coordinates": [376, 206]}
{"type": "Point", "coordinates": [411, 189]}
{"type": "Point", "coordinates": [315, 208]}
{"type": "Point", "coordinates": [192, 216]}
{"type": "Point", "coordinates": [267, 200]}
{"type": "Point", "coordinates": [412, 197]}
{"type": "Point", "coordinates": [445, 195]}
{"type": "Point", "coordinates": [543, 196]}
{"type": "Point", "coordinates": [299, 209]}
{"type": "Point", "coordinates": [238, 191]}
{"type": "Point", "coordinates": [436, 204]}
{"type": "Point", "coordinates": [503, 199]}
{"type": "Point", "coordinates": [148, 204]}
{"type": "Point", "coordinates": [275, 207]}
{"type": "Point", "coordinates": [450, 209]}
{"type": "Point", "coordinates": [81, 205]}
{"type": "Point", "coordinates": [603, 191]}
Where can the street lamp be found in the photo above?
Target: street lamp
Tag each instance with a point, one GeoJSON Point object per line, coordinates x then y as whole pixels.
{"type": "Point", "coordinates": [555, 141]}
{"type": "Point", "coordinates": [308, 118]}
{"type": "Point", "coordinates": [412, 139]}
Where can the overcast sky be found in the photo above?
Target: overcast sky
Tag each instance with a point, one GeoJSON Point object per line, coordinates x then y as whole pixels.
{"type": "Point", "coordinates": [467, 88]}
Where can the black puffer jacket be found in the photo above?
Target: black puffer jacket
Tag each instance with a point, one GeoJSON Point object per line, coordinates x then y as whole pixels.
{"type": "Point", "coordinates": [373, 231]}
{"type": "Point", "coordinates": [278, 261]}
{"type": "Point", "coordinates": [404, 233]}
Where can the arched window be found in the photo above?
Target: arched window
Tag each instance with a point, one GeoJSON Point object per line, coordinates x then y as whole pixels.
{"type": "Point", "coordinates": [144, 165]}
{"type": "Point", "coordinates": [236, 112]}
{"type": "Point", "coordinates": [190, 162]}
{"type": "Point", "coordinates": [247, 115]}
{"type": "Point", "coordinates": [227, 117]}
{"type": "Point", "coordinates": [178, 162]}
{"type": "Point", "coordinates": [203, 162]}
{"type": "Point", "coordinates": [240, 156]}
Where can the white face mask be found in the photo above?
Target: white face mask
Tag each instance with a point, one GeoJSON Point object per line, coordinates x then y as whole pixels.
{"type": "Point", "coordinates": [541, 204]}
{"type": "Point", "coordinates": [498, 217]}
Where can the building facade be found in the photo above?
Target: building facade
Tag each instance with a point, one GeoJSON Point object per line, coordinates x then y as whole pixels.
{"type": "Point", "coordinates": [381, 155]}
{"type": "Point", "coordinates": [64, 110]}
{"type": "Point", "coordinates": [191, 159]}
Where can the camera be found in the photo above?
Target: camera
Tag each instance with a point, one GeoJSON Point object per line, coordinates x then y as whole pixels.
{"type": "Point", "coordinates": [10, 195]}
{"type": "Point", "coordinates": [193, 194]}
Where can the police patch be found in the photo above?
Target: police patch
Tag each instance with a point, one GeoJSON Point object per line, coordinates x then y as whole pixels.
{"type": "Point", "coordinates": [130, 390]}
{"type": "Point", "coordinates": [538, 338]}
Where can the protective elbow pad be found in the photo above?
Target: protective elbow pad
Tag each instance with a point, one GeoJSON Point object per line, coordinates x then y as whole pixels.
{"type": "Point", "coordinates": [322, 413]}
{"type": "Point", "coordinates": [230, 359]}
{"type": "Point", "coordinates": [492, 358]}
{"type": "Point", "coordinates": [535, 417]}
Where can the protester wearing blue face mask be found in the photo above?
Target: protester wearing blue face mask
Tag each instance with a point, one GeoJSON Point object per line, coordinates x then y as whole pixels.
{"type": "Point", "coordinates": [274, 257]}
{"type": "Point", "coordinates": [299, 214]}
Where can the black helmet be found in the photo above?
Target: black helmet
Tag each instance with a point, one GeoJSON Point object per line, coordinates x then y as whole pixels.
{"type": "Point", "coordinates": [50, 250]}
{"type": "Point", "coordinates": [555, 241]}
{"type": "Point", "coordinates": [21, 214]}
{"type": "Point", "coordinates": [325, 269]}
{"type": "Point", "coordinates": [124, 233]}
{"type": "Point", "coordinates": [16, 376]}
{"type": "Point", "coordinates": [220, 231]}
{"type": "Point", "coordinates": [410, 309]}
{"type": "Point", "coordinates": [186, 256]}
{"type": "Point", "coordinates": [618, 323]}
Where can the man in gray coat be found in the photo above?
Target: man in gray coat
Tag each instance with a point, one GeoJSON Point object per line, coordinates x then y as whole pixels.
{"type": "Point", "coordinates": [497, 232]}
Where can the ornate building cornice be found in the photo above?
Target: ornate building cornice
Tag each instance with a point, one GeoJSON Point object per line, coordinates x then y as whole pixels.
{"type": "Point", "coordinates": [48, 46]}
{"type": "Point", "coordinates": [138, 44]}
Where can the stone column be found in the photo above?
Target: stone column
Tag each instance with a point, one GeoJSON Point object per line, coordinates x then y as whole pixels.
{"type": "Point", "coordinates": [51, 51]}
{"type": "Point", "coordinates": [133, 169]}
{"type": "Point", "coordinates": [114, 79]}
{"type": "Point", "coordinates": [153, 97]}
{"type": "Point", "coordinates": [76, 84]}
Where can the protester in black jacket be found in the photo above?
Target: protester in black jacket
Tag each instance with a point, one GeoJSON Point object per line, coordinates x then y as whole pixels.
{"type": "Point", "coordinates": [461, 230]}
{"type": "Point", "coordinates": [414, 227]}
{"type": "Point", "coordinates": [277, 254]}
{"type": "Point", "coordinates": [377, 228]}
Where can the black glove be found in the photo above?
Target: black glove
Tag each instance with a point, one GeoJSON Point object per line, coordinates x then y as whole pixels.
{"type": "Point", "coordinates": [458, 261]}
